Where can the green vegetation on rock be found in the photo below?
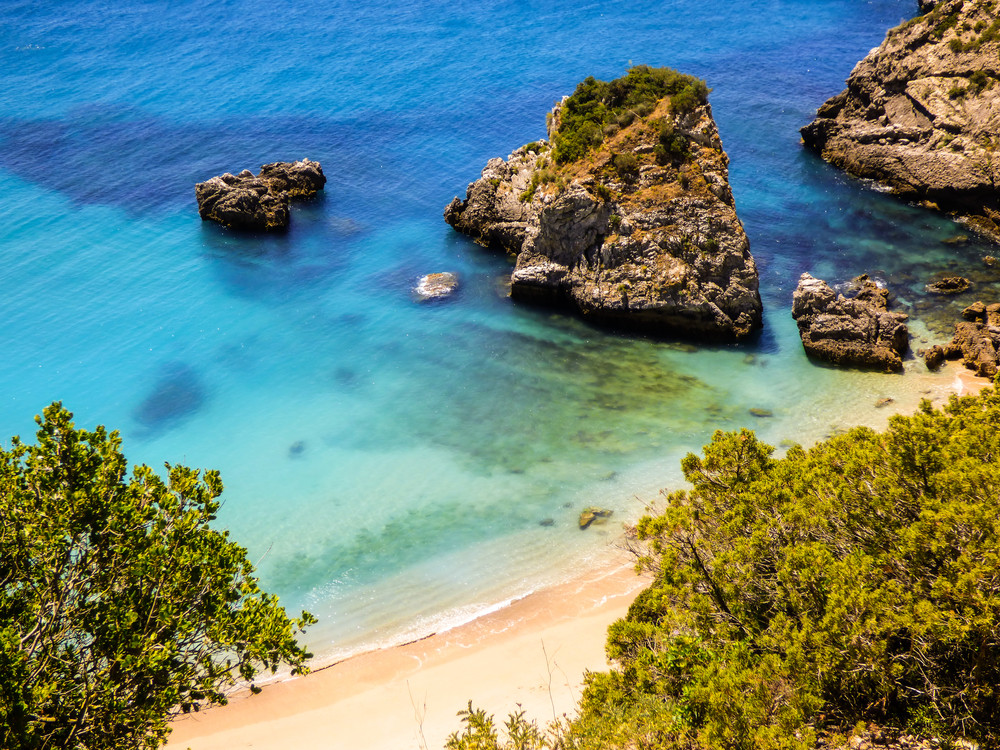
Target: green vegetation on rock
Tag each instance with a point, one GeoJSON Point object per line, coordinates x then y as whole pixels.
{"type": "Point", "coordinates": [857, 581]}
{"type": "Point", "coordinates": [598, 108]}
{"type": "Point", "coordinates": [119, 605]}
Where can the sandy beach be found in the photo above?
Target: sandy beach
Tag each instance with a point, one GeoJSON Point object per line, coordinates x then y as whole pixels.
{"type": "Point", "coordinates": [533, 652]}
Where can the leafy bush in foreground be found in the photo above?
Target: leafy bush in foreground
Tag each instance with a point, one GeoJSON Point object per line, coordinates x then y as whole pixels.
{"type": "Point", "coordinates": [119, 605]}
{"type": "Point", "coordinates": [858, 580]}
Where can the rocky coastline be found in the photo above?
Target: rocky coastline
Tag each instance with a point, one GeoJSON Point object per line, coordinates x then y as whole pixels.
{"type": "Point", "coordinates": [639, 233]}
{"type": "Point", "coordinates": [921, 114]}
{"type": "Point", "coordinates": [976, 341]}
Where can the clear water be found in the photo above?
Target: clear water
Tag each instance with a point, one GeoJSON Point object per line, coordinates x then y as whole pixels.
{"type": "Point", "coordinates": [390, 463]}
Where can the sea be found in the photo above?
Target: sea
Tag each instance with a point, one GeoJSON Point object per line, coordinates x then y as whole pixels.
{"type": "Point", "coordinates": [392, 466]}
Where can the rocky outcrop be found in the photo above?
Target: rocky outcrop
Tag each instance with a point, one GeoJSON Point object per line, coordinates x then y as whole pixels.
{"type": "Point", "coordinates": [949, 285]}
{"type": "Point", "coordinates": [258, 202]}
{"type": "Point", "coordinates": [855, 330]}
{"type": "Point", "coordinates": [593, 515]}
{"type": "Point", "coordinates": [297, 179]}
{"type": "Point", "coordinates": [976, 341]}
{"type": "Point", "coordinates": [921, 114]}
{"type": "Point", "coordinates": [632, 235]}
{"type": "Point", "coordinates": [435, 286]}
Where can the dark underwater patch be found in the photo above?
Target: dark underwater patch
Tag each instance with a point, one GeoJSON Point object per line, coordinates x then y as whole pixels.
{"type": "Point", "coordinates": [177, 394]}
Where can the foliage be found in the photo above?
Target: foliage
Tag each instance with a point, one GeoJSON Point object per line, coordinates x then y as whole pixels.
{"type": "Point", "coordinates": [119, 605]}
{"type": "Point", "coordinates": [480, 732]}
{"type": "Point", "coordinates": [596, 104]}
{"type": "Point", "coordinates": [626, 165]}
{"type": "Point", "coordinates": [671, 147]}
{"type": "Point", "coordinates": [857, 580]}
{"type": "Point", "coordinates": [541, 177]}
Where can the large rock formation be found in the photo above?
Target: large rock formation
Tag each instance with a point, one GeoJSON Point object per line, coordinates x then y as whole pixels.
{"type": "Point", "coordinates": [921, 114]}
{"type": "Point", "coordinates": [639, 232]}
{"type": "Point", "coordinates": [258, 202]}
{"type": "Point", "coordinates": [976, 341]}
{"type": "Point", "coordinates": [856, 331]}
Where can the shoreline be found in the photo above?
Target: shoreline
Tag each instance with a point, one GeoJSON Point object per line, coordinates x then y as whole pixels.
{"type": "Point", "coordinates": [532, 653]}
{"type": "Point", "coordinates": [529, 653]}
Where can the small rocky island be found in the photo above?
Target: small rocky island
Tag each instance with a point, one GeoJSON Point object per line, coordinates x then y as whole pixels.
{"type": "Point", "coordinates": [855, 330]}
{"type": "Point", "coordinates": [625, 213]}
{"type": "Point", "coordinates": [258, 202]}
{"type": "Point", "coordinates": [921, 113]}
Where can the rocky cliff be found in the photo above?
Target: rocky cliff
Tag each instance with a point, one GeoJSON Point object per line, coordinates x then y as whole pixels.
{"type": "Point", "coordinates": [626, 217]}
{"type": "Point", "coordinates": [921, 113]}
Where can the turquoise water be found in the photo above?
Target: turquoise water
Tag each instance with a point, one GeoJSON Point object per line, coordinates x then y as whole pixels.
{"type": "Point", "coordinates": [391, 464]}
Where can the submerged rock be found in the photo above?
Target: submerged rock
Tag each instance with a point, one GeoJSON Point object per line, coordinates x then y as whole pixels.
{"type": "Point", "coordinates": [921, 114]}
{"type": "Point", "coordinates": [177, 393]}
{"type": "Point", "coordinates": [592, 515]}
{"type": "Point", "coordinates": [258, 202]}
{"type": "Point", "coordinates": [435, 286]}
{"type": "Point", "coordinates": [949, 285]}
{"type": "Point", "coordinates": [857, 331]}
{"type": "Point", "coordinates": [638, 232]}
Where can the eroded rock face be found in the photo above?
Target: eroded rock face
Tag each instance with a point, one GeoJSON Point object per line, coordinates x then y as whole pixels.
{"type": "Point", "coordinates": [976, 341]}
{"type": "Point", "coordinates": [921, 114]}
{"type": "Point", "coordinates": [625, 239]}
{"type": "Point", "coordinates": [856, 331]}
{"type": "Point", "coordinates": [258, 202]}
{"type": "Point", "coordinates": [299, 179]}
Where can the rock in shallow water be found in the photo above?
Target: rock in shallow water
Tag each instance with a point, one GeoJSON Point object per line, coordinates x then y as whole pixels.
{"type": "Point", "coordinates": [856, 332]}
{"type": "Point", "coordinates": [258, 202]}
{"type": "Point", "coordinates": [949, 285]}
{"type": "Point", "coordinates": [592, 515]}
{"type": "Point", "coordinates": [435, 286]}
{"type": "Point", "coordinates": [976, 341]}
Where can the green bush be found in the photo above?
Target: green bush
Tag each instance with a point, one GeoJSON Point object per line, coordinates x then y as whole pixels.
{"type": "Point", "coordinates": [120, 605]}
{"type": "Point", "coordinates": [858, 580]}
{"type": "Point", "coordinates": [595, 104]}
{"type": "Point", "coordinates": [626, 165]}
{"type": "Point", "coordinates": [480, 732]}
{"type": "Point", "coordinates": [979, 81]}
{"type": "Point", "coordinates": [671, 147]}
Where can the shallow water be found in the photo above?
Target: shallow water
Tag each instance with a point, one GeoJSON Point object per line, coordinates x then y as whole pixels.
{"type": "Point", "coordinates": [391, 464]}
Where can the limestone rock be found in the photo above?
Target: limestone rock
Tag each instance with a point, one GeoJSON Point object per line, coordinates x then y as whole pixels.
{"type": "Point", "coordinates": [594, 515]}
{"type": "Point", "coordinates": [299, 179]}
{"type": "Point", "coordinates": [856, 331]}
{"type": "Point", "coordinates": [921, 114]}
{"type": "Point", "coordinates": [240, 202]}
{"type": "Point", "coordinates": [435, 286]}
{"type": "Point", "coordinates": [624, 238]}
{"type": "Point", "coordinates": [258, 202]}
{"type": "Point", "coordinates": [949, 285]}
{"type": "Point", "coordinates": [976, 341]}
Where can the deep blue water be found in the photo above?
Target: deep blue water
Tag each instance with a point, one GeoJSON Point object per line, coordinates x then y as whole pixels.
{"type": "Point", "coordinates": [389, 463]}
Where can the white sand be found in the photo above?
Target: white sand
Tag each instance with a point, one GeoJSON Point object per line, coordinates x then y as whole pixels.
{"type": "Point", "coordinates": [534, 652]}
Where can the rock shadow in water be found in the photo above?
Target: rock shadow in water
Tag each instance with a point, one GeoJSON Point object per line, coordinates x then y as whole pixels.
{"type": "Point", "coordinates": [177, 394]}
